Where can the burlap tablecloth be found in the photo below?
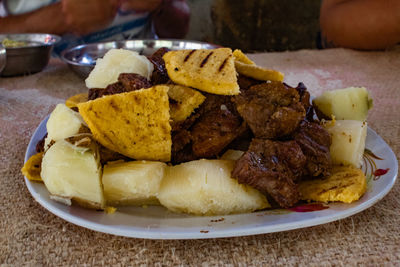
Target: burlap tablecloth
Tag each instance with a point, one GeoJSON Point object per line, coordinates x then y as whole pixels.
{"type": "Point", "coordinates": [30, 235]}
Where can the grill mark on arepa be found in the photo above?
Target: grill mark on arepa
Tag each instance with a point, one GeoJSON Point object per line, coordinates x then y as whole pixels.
{"type": "Point", "coordinates": [223, 64]}
{"type": "Point", "coordinates": [206, 59]}
{"type": "Point", "coordinates": [188, 55]}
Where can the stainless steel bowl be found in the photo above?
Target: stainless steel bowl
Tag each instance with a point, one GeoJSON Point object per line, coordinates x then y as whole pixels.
{"type": "Point", "coordinates": [29, 58]}
{"type": "Point", "coordinates": [81, 59]}
{"type": "Point", "coordinates": [2, 57]}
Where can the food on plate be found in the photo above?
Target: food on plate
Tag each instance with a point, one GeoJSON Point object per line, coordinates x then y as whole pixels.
{"type": "Point", "coordinates": [241, 57]}
{"type": "Point", "coordinates": [74, 100]}
{"type": "Point", "coordinates": [217, 126]}
{"type": "Point", "coordinates": [271, 109]}
{"type": "Point", "coordinates": [211, 71]}
{"type": "Point", "coordinates": [257, 72]}
{"type": "Point", "coordinates": [315, 143]}
{"type": "Point", "coordinates": [272, 167]}
{"type": "Point", "coordinates": [8, 43]}
{"type": "Point", "coordinates": [127, 82]}
{"type": "Point", "coordinates": [183, 101]}
{"type": "Point", "coordinates": [348, 141]}
{"type": "Point", "coordinates": [160, 74]}
{"type": "Point", "coordinates": [350, 103]}
{"type": "Point", "coordinates": [205, 132]}
{"type": "Point", "coordinates": [63, 122]}
{"type": "Point", "coordinates": [232, 154]}
{"type": "Point", "coordinates": [115, 62]}
{"type": "Point", "coordinates": [345, 184]}
{"type": "Point", "coordinates": [134, 124]}
{"type": "Point", "coordinates": [71, 171]}
{"type": "Point", "coordinates": [32, 167]}
{"type": "Point", "coordinates": [205, 187]}
{"type": "Point", "coordinates": [132, 183]}
{"type": "Point", "coordinates": [248, 68]}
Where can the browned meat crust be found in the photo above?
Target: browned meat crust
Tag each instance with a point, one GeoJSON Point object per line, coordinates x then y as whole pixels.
{"type": "Point", "coordinates": [183, 155]}
{"type": "Point", "coordinates": [160, 74]}
{"type": "Point", "coordinates": [219, 124]}
{"type": "Point", "coordinates": [272, 110]}
{"type": "Point", "coordinates": [180, 139]}
{"type": "Point", "coordinates": [305, 101]}
{"type": "Point", "coordinates": [107, 155]}
{"type": "Point", "coordinates": [126, 82]}
{"type": "Point", "coordinates": [272, 167]}
{"type": "Point", "coordinates": [246, 82]}
{"type": "Point", "coordinates": [133, 81]}
{"type": "Point", "coordinates": [213, 133]}
{"type": "Point", "coordinates": [315, 141]}
{"type": "Point", "coordinates": [211, 128]}
{"type": "Point", "coordinates": [40, 144]}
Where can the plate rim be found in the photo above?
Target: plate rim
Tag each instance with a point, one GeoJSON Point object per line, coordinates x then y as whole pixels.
{"type": "Point", "coordinates": [219, 233]}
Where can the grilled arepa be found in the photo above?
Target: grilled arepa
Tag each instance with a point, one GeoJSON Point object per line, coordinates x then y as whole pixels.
{"type": "Point", "coordinates": [209, 70]}
{"type": "Point", "coordinates": [241, 57]}
{"type": "Point", "coordinates": [257, 72]}
{"type": "Point", "coordinates": [74, 100]}
{"type": "Point", "coordinates": [33, 167]}
{"type": "Point", "coordinates": [134, 124]}
{"type": "Point", "coordinates": [346, 184]}
{"type": "Point", "coordinates": [183, 101]}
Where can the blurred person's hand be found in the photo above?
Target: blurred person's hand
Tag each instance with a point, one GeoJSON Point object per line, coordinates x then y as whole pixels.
{"type": "Point", "coordinates": [360, 24]}
{"type": "Point", "coordinates": [140, 5]}
{"type": "Point", "coordinates": [85, 16]}
{"type": "Point", "coordinates": [171, 19]}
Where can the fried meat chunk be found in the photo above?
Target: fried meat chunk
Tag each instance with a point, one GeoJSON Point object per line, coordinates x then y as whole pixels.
{"type": "Point", "coordinates": [208, 131]}
{"type": "Point", "coordinates": [305, 100]}
{"type": "Point", "coordinates": [180, 139]}
{"type": "Point", "coordinates": [315, 141]}
{"type": "Point", "coordinates": [246, 82]}
{"type": "Point", "coordinates": [126, 82]}
{"type": "Point", "coordinates": [272, 167]}
{"type": "Point", "coordinates": [219, 124]}
{"type": "Point", "coordinates": [159, 75]}
{"type": "Point", "coordinates": [272, 110]}
{"type": "Point", "coordinates": [214, 132]}
{"type": "Point", "coordinates": [133, 81]}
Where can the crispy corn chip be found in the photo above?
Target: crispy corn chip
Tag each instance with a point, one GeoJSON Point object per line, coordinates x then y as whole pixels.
{"type": "Point", "coordinates": [212, 71]}
{"type": "Point", "coordinates": [346, 184]}
{"type": "Point", "coordinates": [186, 100]}
{"type": "Point", "coordinates": [73, 101]}
{"type": "Point", "coordinates": [241, 57]}
{"type": "Point", "coordinates": [134, 124]}
{"type": "Point", "coordinates": [32, 168]}
{"type": "Point", "coordinates": [258, 73]}
{"type": "Point", "coordinates": [110, 210]}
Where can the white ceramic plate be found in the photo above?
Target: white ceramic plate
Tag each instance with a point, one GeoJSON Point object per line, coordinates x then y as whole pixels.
{"type": "Point", "coordinates": [158, 223]}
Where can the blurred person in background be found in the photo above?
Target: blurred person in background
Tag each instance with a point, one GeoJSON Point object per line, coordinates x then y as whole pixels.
{"type": "Point", "coordinates": [87, 21]}
{"type": "Point", "coordinates": [360, 24]}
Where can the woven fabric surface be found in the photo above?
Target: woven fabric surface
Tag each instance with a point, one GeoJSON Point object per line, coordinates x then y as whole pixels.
{"type": "Point", "coordinates": [30, 235]}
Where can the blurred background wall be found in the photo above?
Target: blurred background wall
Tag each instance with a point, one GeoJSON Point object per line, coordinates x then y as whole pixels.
{"type": "Point", "coordinates": [256, 25]}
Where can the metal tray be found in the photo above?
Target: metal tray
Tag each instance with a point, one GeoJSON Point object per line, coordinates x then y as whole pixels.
{"type": "Point", "coordinates": [81, 59]}
{"type": "Point", "coordinates": [29, 58]}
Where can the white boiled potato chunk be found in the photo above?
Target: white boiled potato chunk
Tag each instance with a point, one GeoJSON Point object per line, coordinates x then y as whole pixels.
{"type": "Point", "coordinates": [115, 62]}
{"type": "Point", "coordinates": [348, 141]}
{"type": "Point", "coordinates": [63, 122]}
{"type": "Point", "coordinates": [132, 183]}
{"type": "Point", "coordinates": [71, 172]}
{"type": "Point", "coordinates": [350, 103]}
{"type": "Point", "coordinates": [205, 187]}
